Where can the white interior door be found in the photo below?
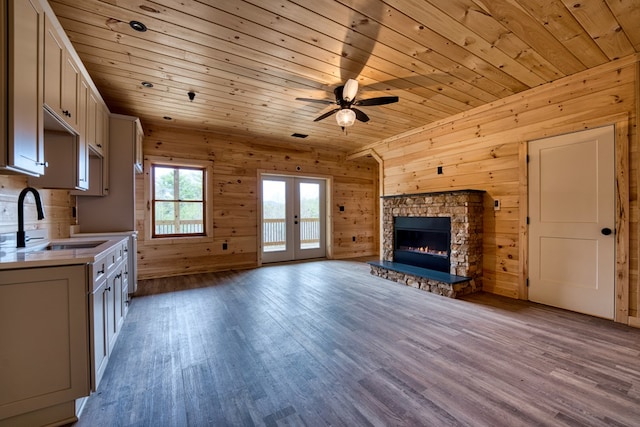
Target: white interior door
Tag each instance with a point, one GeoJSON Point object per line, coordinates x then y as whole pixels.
{"type": "Point", "coordinates": [572, 221]}
{"type": "Point", "coordinates": [293, 218]}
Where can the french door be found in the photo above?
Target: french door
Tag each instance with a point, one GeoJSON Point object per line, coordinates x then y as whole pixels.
{"type": "Point", "coordinates": [293, 218]}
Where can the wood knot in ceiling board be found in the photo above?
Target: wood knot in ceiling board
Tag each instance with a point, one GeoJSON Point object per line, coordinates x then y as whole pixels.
{"type": "Point", "coordinates": [112, 23]}
{"type": "Point", "coordinates": [148, 9]}
{"type": "Point", "coordinates": [356, 24]}
{"type": "Point", "coordinates": [476, 10]}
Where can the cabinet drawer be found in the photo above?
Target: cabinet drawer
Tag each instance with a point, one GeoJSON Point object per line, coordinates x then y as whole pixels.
{"type": "Point", "coordinates": [121, 251]}
{"type": "Point", "coordinates": [103, 265]}
{"type": "Point", "coordinates": [99, 270]}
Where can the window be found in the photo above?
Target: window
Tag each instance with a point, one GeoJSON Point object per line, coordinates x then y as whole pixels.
{"type": "Point", "coordinates": [178, 205]}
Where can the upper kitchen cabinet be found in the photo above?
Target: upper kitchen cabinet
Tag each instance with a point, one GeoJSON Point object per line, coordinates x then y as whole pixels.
{"type": "Point", "coordinates": [115, 212]}
{"type": "Point", "coordinates": [62, 76]}
{"type": "Point", "coordinates": [21, 142]}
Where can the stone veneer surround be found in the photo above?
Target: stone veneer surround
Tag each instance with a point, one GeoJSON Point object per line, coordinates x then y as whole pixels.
{"type": "Point", "coordinates": [465, 208]}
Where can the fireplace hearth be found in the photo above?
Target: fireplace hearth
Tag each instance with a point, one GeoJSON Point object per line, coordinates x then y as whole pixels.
{"type": "Point", "coordinates": [437, 232]}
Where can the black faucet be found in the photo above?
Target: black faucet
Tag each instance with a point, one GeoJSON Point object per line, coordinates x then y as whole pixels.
{"type": "Point", "coordinates": [21, 237]}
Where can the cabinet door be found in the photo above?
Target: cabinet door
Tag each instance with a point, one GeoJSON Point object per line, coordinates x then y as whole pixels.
{"type": "Point", "coordinates": [91, 111]}
{"type": "Point", "coordinates": [70, 84]}
{"type": "Point", "coordinates": [125, 289]}
{"type": "Point", "coordinates": [112, 323]}
{"type": "Point", "coordinates": [118, 301]}
{"type": "Point", "coordinates": [54, 53]}
{"type": "Point", "coordinates": [61, 77]}
{"type": "Point", "coordinates": [83, 146]}
{"type": "Point", "coordinates": [115, 307]}
{"type": "Point", "coordinates": [102, 134]}
{"type": "Point", "coordinates": [25, 144]}
{"type": "Point", "coordinates": [99, 328]}
{"type": "Point", "coordinates": [44, 335]}
{"type": "Point", "coordinates": [139, 138]}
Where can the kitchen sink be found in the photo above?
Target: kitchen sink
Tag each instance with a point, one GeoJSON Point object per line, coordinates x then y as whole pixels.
{"type": "Point", "coordinates": [72, 245]}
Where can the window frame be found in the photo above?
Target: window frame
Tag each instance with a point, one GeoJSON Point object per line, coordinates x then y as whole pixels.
{"type": "Point", "coordinates": [150, 163]}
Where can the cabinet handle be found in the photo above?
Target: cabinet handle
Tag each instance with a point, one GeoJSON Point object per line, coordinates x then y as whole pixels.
{"type": "Point", "coordinates": [119, 275]}
{"type": "Point", "coordinates": [107, 289]}
{"type": "Point", "coordinates": [101, 271]}
{"type": "Point", "coordinates": [99, 145]}
{"type": "Point", "coordinates": [45, 164]}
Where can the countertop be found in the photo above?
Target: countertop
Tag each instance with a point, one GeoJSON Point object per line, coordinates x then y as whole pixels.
{"type": "Point", "coordinates": [104, 234]}
{"type": "Point", "coordinates": [35, 255]}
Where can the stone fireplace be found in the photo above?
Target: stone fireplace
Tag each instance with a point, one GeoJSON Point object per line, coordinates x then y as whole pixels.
{"type": "Point", "coordinates": [433, 241]}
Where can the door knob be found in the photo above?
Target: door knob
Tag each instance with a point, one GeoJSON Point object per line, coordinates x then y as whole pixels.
{"type": "Point", "coordinates": [606, 231]}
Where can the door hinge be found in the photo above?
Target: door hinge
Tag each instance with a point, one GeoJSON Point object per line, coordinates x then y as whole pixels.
{"type": "Point", "coordinates": [528, 158]}
{"type": "Point", "coordinates": [527, 282]}
{"type": "Point", "coordinates": [528, 221]}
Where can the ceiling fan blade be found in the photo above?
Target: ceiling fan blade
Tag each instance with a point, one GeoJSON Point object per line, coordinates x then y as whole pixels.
{"type": "Point", "coordinates": [350, 90]}
{"type": "Point", "coordinates": [318, 101]}
{"type": "Point", "coordinates": [382, 100]}
{"type": "Point", "coordinates": [327, 114]}
{"type": "Point", "coordinates": [360, 115]}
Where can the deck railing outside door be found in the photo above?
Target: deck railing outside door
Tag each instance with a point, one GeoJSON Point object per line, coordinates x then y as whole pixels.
{"type": "Point", "coordinates": [274, 233]}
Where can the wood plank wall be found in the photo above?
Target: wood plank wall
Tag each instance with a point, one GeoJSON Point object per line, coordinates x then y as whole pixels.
{"type": "Point", "coordinates": [58, 208]}
{"type": "Point", "coordinates": [485, 149]}
{"type": "Point", "coordinates": [236, 162]}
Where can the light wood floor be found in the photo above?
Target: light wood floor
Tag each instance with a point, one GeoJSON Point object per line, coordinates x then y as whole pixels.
{"type": "Point", "coordinates": [325, 343]}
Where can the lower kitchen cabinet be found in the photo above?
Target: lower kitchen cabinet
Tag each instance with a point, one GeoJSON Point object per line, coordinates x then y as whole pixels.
{"type": "Point", "coordinates": [108, 307]}
{"type": "Point", "coordinates": [44, 350]}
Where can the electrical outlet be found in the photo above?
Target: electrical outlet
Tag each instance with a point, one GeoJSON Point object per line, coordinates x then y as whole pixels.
{"type": "Point", "coordinates": [496, 205]}
{"type": "Point", "coordinates": [439, 170]}
{"type": "Point", "coordinates": [224, 246]}
{"type": "Point", "coordinates": [353, 238]}
{"type": "Point", "coordinates": [341, 208]}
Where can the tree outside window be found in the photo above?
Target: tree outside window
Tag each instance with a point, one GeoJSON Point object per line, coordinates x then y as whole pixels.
{"type": "Point", "coordinates": [178, 201]}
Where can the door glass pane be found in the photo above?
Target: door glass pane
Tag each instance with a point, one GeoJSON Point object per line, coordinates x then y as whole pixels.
{"type": "Point", "coordinates": [274, 216]}
{"type": "Point", "coordinates": [309, 215]}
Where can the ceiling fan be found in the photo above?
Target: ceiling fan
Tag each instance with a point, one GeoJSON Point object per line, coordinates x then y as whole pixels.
{"type": "Point", "coordinates": [345, 99]}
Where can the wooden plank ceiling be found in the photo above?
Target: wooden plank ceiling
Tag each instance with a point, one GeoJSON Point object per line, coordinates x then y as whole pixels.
{"type": "Point", "coordinates": [247, 60]}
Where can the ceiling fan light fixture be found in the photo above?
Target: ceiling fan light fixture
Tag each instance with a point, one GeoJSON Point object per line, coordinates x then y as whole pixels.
{"type": "Point", "coordinates": [350, 90]}
{"type": "Point", "coordinates": [346, 117]}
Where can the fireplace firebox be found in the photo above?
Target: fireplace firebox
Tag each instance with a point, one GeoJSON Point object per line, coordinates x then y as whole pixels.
{"type": "Point", "coordinates": [423, 242]}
